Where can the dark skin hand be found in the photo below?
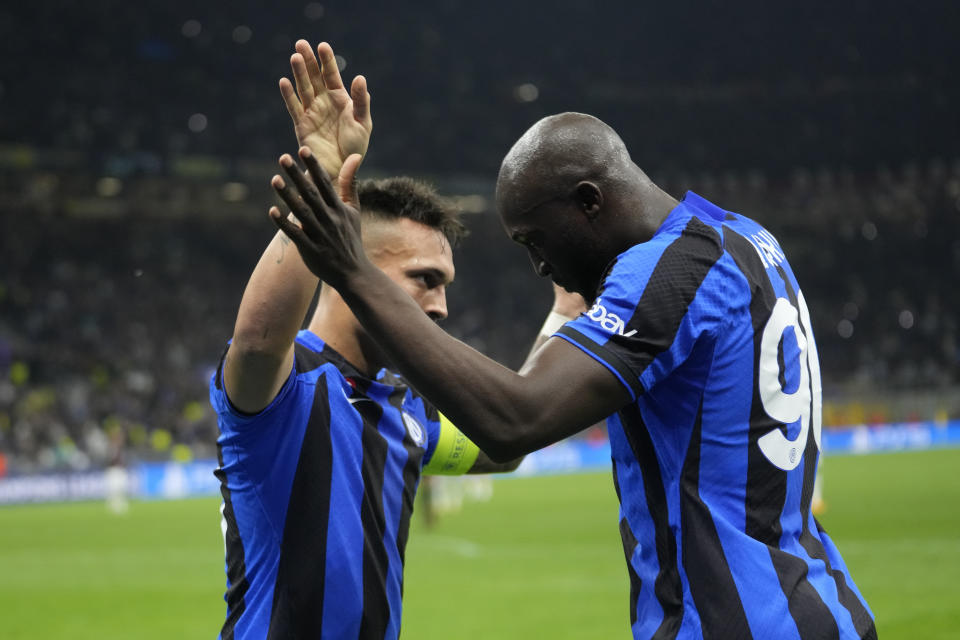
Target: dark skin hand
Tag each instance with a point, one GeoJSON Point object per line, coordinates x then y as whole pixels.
{"type": "Point", "coordinates": [559, 392]}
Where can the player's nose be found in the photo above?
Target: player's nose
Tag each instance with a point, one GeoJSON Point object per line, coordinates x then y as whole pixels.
{"type": "Point", "coordinates": [435, 305]}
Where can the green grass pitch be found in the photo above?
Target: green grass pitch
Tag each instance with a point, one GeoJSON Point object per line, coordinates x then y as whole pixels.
{"type": "Point", "coordinates": [542, 560]}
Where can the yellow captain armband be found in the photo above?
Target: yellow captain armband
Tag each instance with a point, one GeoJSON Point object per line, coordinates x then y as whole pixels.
{"type": "Point", "coordinates": [455, 452]}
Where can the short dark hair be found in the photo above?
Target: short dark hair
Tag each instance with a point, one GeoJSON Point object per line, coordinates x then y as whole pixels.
{"type": "Point", "coordinates": [403, 197]}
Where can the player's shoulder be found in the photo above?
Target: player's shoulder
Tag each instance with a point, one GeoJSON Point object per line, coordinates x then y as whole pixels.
{"type": "Point", "coordinates": [311, 354]}
{"type": "Point", "coordinates": [412, 397]}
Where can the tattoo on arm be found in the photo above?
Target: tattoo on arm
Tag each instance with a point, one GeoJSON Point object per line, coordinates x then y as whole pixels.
{"type": "Point", "coordinates": [284, 241]}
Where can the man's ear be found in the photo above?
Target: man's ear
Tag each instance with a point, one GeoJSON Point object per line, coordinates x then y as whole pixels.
{"type": "Point", "coordinates": [589, 198]}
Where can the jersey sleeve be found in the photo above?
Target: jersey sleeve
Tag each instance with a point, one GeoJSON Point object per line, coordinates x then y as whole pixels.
{"type": "Point", "coordinates": [228, 415]}
{"type": "Point", "coordinates": [652, 310]}
{"type": "Point", "coordinates": [454, 453]}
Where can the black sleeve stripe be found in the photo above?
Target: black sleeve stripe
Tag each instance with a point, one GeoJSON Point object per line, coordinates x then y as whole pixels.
{"type": "Point", "coordinates": [606, 356]}
{"type": "Point", "coordinates": [671, 288]}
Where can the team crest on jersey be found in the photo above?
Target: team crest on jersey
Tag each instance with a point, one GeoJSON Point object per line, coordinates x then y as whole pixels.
{"type": "Point", "coordinates": [414, 428]}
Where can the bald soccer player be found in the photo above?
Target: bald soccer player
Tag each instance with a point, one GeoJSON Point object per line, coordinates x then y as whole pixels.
{"type": "Point", "coordinates": [698, 346]}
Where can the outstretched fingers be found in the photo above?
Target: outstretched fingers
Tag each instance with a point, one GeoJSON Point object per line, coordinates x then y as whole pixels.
{"type": "Point", "coordinates": [291, 230]}
{"type": "Point", "coordinates": [313, 67]}
{"type": "Point", "coordinates": [361, 101]}
{"type": "Point", "coordinates": [294, 108]}
{"type": "Point", "coordinates": [302, 77]}
{"type": "Point", "coordinates": [328, 67]}
{"type": "Point", "coordinates": [347, 180]}
{"type": "Point", "coordinates": [320, 183]}
{"type": "Point", "coordinates": [297, 205]}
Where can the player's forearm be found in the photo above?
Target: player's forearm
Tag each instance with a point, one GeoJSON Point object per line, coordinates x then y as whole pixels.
{"type": "Point", "coordinates": [494, 406]}
{"type": "Point", "coordinates": [275, 301]}
{"type": "Point", "coordinates": [485, 464]}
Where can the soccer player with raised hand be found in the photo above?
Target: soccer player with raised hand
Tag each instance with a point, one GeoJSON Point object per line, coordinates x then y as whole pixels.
{"type": "Point", "coordinates": [321, 447]}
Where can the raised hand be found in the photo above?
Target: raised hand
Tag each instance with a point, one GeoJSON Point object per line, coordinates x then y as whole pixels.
{"type": "Point", "coordinates": [566, 303]}
{"type": "Point", "coordinates": [333, 123]}
{"type": "Point", "coordinates": [328, 234]}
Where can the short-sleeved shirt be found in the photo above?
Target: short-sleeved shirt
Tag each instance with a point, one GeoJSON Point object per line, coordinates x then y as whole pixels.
{"type": "Point", "coordinates": [715, 457]}
{"type": "Point", "coordinates": [318, 490]}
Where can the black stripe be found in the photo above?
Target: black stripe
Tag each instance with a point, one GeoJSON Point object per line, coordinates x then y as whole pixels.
{"type": "Point", "coordinates": [629, 546]}
{"type": "Point", "coordinates": [411, 477]}
{"type": "Point", "coordinates": [781, 363]}
{"type": "Point", "coordinates": [811, 455]}
{"type": "Point", "coordinates": [666, 586]}
{"type": "Point", "coordinates": [236, 564]}
{"type": "Point", "coordinates": [606, 355]}
{"type": "Point", "coordinates": [306, 359]}
{"type": "Point", "coordinates": [862, 621]}
{"type": "Point", "coordinates": [813, 618]}
{"type": "Point", "coordinates": [218, 378]}
{"type": "Point", "coordinates": [298, 592]}
{"type": "Point", "coordinates": [616, 481]}
{"type": "Point", "coordinates": [681, 269]}
{"type": "Point", "coordinates": [376, 606]}
{"type": "Point", "coordinates": [712, 587]}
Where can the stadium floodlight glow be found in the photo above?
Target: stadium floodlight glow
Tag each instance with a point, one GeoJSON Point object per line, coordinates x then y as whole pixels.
{"type": "Point", "coordinates": [526, 92]}
{"type": "Point", "coordinates": [197, 122]}
{"type": "Point", "coordinates": [109, 187]}
{"type": "Point", "coordinates": [905, 319]}
{"type": "Point", "coordinates": [191, 28]}
{"type": "Point", "coordinates": [242, 34]}
{"type": "Point", "coordinates": [313, 11]}
{"type": "Point", "coordinates": [845, 329]}
{"type": "Point", "coordinates": [234, 191]}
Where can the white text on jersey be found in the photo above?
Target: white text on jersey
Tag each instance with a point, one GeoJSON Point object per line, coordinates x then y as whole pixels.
{"type": "Point", "coordinates": [609, 321]}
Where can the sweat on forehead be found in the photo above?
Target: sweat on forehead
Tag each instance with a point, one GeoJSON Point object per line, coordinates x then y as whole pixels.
{"type": "Point", "coordinates": [558, 151]}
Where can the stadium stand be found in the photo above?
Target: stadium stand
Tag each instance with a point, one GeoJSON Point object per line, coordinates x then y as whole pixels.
{"type": "Point", "coordinates": [130, 217]}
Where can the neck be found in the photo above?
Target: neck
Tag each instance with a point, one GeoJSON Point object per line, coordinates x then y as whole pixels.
{"type": "Point", "coordinates": [655, 205]}
{"type": "Point", "coordinates": [333, 323]}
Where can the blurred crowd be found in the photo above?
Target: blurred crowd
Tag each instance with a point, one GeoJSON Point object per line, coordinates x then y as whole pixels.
{"type": "Point", "coordinates": [456, 82]}
{"type": "Point", "coordinates": [110, 327]}
{"type": "Point", "coordinates": [136, 145]}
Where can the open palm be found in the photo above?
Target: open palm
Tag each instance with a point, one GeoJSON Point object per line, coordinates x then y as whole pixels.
{"type": "Point", "coordinates": [331, 121]}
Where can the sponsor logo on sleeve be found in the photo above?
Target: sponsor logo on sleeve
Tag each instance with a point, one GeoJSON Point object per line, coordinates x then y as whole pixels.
{"type": "Point", "coordinates": [610, 322]}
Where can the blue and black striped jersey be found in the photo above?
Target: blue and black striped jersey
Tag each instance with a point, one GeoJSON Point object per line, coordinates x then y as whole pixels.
{"type": "Point", "coordinates": [318, 490]}
{"type": "Point", "coordinates": [715, 457]}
